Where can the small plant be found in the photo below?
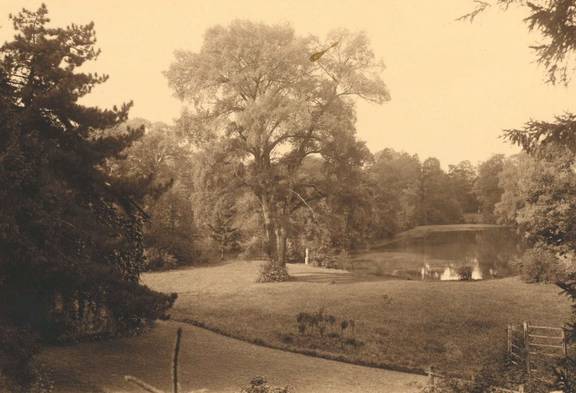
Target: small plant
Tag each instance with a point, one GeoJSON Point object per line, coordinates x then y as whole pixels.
{"type": "Point", "coordinates": [378, 271]}
{"type": "Point", "coordinates": [302, 320]}
{"type": "Point", "coordinates": [465, 273]}
{"type": "Point", "coordinates": [323, 328]}
{"type": "Point", "coordinates": [343, 326]}
{"type": "Point", "coordinates": [260, 385]}
{"type": "Point", "coordinates": [353, 342]}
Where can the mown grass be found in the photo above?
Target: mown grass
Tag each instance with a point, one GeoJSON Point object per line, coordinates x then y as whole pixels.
{"type": "Point", "coordinates": [453, 326]}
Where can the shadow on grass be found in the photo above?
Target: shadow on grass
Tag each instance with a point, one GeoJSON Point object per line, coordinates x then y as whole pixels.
{"type": "Point", "coordinates": [67, 382]}
{"type": "Point", "coordinates": [336, 278]}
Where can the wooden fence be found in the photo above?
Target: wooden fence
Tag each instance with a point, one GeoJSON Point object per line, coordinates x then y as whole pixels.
{"type": "Point", "coordinates": [535, 347]}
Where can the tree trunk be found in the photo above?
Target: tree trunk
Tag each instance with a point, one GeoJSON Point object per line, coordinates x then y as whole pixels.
{"type": "Point", "coordinates": [276, 238]}
{"type": "Point", "coordinates": [281, 240]}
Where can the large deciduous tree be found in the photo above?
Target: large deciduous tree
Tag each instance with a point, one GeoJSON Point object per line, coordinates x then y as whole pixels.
{"type": "Point", "coordinates": [271, 99]}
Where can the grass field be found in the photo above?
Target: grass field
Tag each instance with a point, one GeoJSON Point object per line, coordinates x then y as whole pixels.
{"type": "Point", "coordinates": [453, 326]}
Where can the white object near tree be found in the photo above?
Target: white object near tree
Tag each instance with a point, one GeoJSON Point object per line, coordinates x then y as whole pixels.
{"type": "Point", "coordinates": [476, 271]}
{"type": "Point", "coordinates": [306, 258]}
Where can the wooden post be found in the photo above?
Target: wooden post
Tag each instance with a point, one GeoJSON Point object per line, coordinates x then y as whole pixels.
{"type": "Point", "coordinates": [521, 389]}
{"type": "Point", "coordinates": [564, 344]}
{"type": "Point", "coordinates": [509, 332]}
{"type": "Point", "coordinates": [526, 347]}
{"type": "Point", "coordinates": [431, 380]}
{"type": "Point", "coordinates": [142, 384]}
{"type": "Point", "coordinates": [175, 361]}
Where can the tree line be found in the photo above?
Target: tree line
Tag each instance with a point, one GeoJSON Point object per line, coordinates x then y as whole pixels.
{"type": "Point", "coordinates": [207, 214]}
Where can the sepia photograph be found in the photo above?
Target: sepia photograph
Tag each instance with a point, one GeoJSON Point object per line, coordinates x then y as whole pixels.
{"type": "Point", "coordinates": [287, 196]}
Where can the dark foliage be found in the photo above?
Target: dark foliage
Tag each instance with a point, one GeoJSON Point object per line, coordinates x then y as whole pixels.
{"type": "Point", "coordinates": [67, 229]}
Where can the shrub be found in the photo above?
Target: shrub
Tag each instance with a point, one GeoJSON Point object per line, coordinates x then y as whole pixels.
{"type": "Point", "coordinates": [260, 385]}
{"type": "Point", "coordinates": [270, 272]}
{"type": "Point", "coordinates": [18, 374]}
{"type": "Point", "coordinates": [495, 374]}
{"type": "Point", "coordinates": [465, 273]}
{"type": "Point", "coordinates": [326, 258]}
{"type": "Point", "coordinates": [321, 330]}
{"type": "Point", "coordinates": [539, 265]}
{"type": "Point", "coordinates": [158, 259]}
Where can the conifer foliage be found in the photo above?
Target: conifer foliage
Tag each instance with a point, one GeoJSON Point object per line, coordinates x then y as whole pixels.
{"type": "Point", "coordinates": [70, 234]}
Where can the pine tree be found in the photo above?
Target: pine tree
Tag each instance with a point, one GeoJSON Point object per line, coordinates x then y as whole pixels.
{"type": "Point", "coordinates": [70, 234]}
{"type": "Point", "coordinates": [221, 225]}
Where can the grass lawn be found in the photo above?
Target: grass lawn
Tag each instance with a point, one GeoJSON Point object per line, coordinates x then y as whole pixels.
{"type": "Point", "coordinates": [453, 326]}
{"type": "Point", "coordinates": [208, 361]}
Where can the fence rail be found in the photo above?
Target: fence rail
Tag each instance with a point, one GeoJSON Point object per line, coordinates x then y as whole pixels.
{"type": "Point", "coordinates": [532, 344]}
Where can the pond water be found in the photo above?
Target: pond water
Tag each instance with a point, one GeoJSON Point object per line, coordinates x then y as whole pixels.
{"type": "Point", "coordinates": [436, 253]}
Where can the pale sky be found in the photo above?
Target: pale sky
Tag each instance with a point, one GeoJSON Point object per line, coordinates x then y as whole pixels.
{"type": "Point", "coordinates": [454, 85]}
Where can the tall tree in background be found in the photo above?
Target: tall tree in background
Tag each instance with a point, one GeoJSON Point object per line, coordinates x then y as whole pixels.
{"type": "Point", "coordinates": [397, 178]}
{"type": "Point", "coordinates": [68, 232]}
{"type": "Point", "coordinates": [168, 162]}
{"type": "Point", "coordinates": [514, 180]}
{"type": "Point", "coordinates": [438, 204]}
{"type": "Point", "coordinates": [462, 177]}
{"type": "Point", "coordinates": [255, 90]}
{"type": "Point", "coordinates": [487, 187]}
{"type": "Point", "coordinates": [222, 226]}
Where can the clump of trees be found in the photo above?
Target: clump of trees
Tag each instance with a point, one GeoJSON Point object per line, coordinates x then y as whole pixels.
{"type": "Point", "coordinates": [70, 233]}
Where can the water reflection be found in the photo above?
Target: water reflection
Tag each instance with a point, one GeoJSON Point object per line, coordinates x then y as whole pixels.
{"type": "Point", "coordinates": [444, 255]}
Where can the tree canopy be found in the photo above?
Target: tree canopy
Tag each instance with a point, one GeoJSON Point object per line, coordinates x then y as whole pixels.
{"type": "Point", "coordinates": [253, 89]}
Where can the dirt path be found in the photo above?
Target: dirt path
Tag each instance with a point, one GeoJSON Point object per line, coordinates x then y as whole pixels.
{"type": "Point", "coordinates": [213, 362]}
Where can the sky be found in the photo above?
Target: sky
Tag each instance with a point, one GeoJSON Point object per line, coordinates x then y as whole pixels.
{"type": "Point", "coordinates": [454, 85]}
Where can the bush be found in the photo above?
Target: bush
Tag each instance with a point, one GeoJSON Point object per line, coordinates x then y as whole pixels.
{"type": "Point", "coordinates": [158, 259]}
{"type": "Point", "coordinates": [465, 273]}
{"type": "Point", "coordinates": [498, 373]}
{"type": "Point", "coordinates": [321, 330]}
{"type": "Point", "coordinates": [18, 374]}
{"type": "Point", "coordinates": [270, 272]}
{"type": "Point", "coordinates": [327, 258]}
{"type": "Point", "coordinates": [260, 385]}
{"type": "Point", "coordinates": [540, 265]}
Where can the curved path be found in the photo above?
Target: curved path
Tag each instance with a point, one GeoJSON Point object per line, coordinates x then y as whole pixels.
{"type": "Point", "coordinates": [209, 361]}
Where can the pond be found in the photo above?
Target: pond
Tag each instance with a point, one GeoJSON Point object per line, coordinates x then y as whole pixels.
{"type": "Point", "coordinates": [451, 252]}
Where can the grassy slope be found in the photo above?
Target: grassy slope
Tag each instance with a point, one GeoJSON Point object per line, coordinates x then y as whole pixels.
{"type": "Point", "coordinates": [451, 325]}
